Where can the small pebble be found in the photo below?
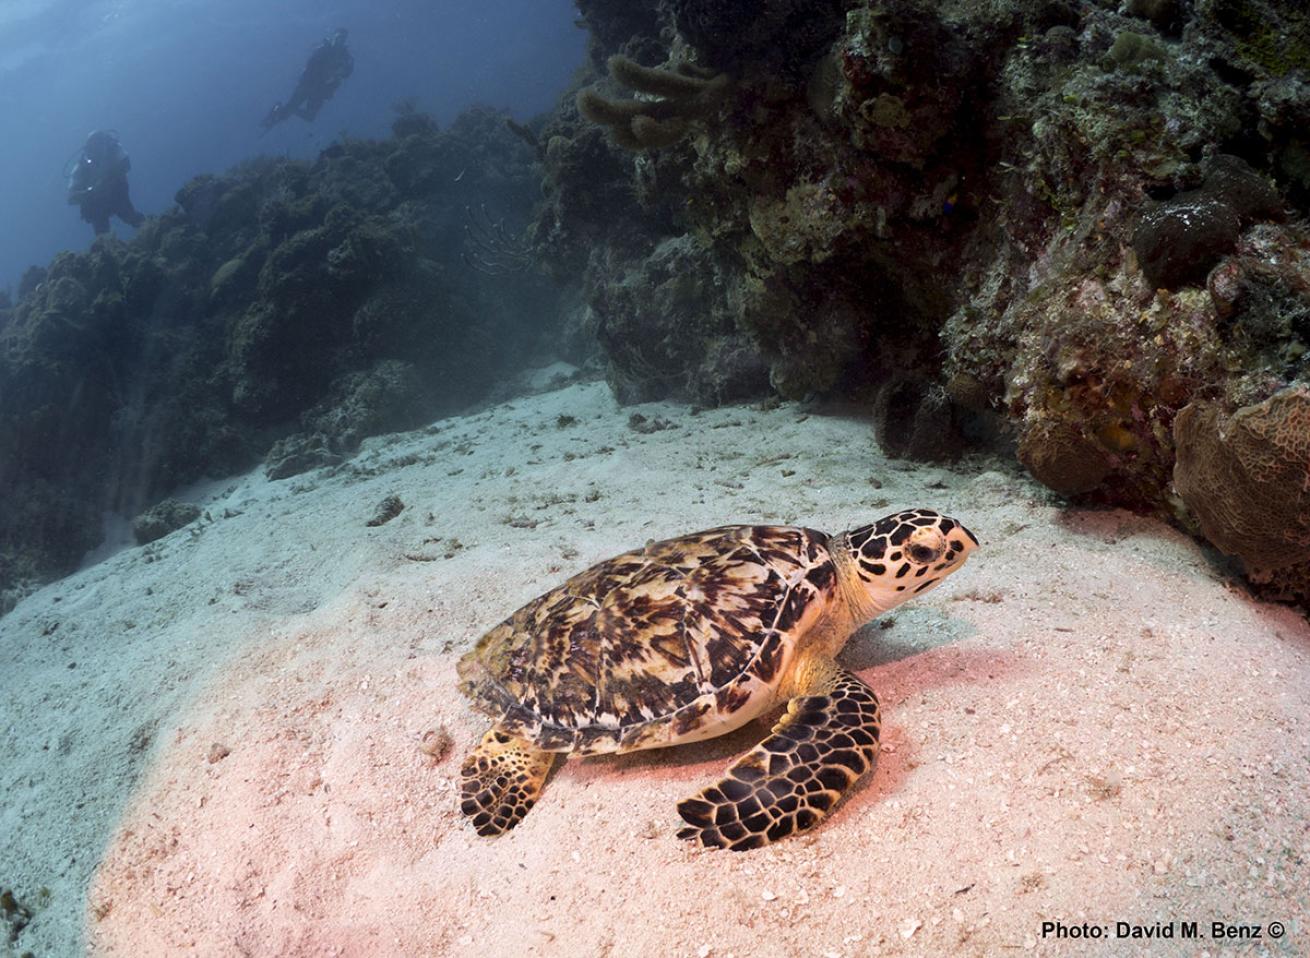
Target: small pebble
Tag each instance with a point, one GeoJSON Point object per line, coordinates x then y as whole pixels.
{"type": "Point", "coordinates": [703, 951]}
{"type": "Point", "coordinates": [909, 926]}
{"type": "Point", "coordinates": [436, 742]}
{"type": "Point", "coordinates": [768, 895]}
{"type": "Point", "coordinates": [217, 752]}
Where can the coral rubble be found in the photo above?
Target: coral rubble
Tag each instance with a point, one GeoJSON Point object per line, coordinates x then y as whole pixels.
{"type": "Point", "coordinates": [163, 517]}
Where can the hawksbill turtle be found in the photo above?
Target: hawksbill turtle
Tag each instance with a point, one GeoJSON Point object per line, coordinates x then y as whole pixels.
{"type": "Point", "coordinates": [690, 638]}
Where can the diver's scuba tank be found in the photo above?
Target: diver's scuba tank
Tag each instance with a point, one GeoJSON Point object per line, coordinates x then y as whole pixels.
{"type": "Point", "coordinates": [84, 173]}
{"type": "Point", "coordinates": [78, 174]}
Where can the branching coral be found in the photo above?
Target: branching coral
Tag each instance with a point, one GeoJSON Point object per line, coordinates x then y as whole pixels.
{"type": "Point", "coordinates": [1247, 477]}
{"type": "Point", "coordinates": [686, 93]}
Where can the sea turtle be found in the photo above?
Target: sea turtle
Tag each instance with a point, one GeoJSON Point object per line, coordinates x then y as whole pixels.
{"type": "Point", "coordinates": [693, 637]}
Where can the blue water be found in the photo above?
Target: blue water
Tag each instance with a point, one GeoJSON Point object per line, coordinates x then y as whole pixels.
{"type": "Point", "coordinates": [186, 82]}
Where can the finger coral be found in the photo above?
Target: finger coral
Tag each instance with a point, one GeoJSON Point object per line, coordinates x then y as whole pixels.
{"type": "Point", "coordinates": [685, 93]}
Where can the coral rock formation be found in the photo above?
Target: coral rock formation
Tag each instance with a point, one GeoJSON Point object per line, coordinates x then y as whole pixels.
{"type": "Point", "coordinates": [1062, 458]}
{"type": "Point", "coordinates": [1246, 477]}
{"type": "Point", "coordinates": [663, 331]}
{"type": "Point", "coordinates": [914, 422]}
{"type": "Point", "coordinates": [1181, 239]}
{"type": "Point", "coordinates": [1091, 214]}
{"type": "Point", "coordinates": [1177, 242]}
{"type": "Point", "coordinates": [778, 35]}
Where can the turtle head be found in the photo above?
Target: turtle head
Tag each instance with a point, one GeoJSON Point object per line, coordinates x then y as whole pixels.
{"type": "Point", "coordinates": [901, 556]}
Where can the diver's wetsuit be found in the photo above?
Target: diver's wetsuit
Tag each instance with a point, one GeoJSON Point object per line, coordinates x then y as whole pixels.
{"type": "Point", "coordinates": [328, 65]}
{"type": "Point", "coordinates": [98, 183]}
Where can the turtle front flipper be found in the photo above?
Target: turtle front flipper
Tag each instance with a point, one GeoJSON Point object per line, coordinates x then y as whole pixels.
{"type": "Point", "coordinates": [788, 783]}
{"type": "Point", "coordinates": [500, 781]}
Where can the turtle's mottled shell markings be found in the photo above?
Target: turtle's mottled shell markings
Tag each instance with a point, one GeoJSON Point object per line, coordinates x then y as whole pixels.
{"type": "Point", "coordinates": [670, 644]}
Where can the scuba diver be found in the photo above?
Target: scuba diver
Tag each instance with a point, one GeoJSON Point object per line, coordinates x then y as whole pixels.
{"type": "Point", "coordinates": [328, 64]}
{"type": "Point", "coordinates": [97, 182]}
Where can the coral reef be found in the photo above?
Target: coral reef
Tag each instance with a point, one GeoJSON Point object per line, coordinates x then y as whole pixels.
{"type": "Point", "coordinates": [1050, 225]}
{"type": "Point", "coordinates": [390, 396]}
{"type": "Point", "coordinates": [819, 251]}
{"type": "Point", "coordinates": [1061, 457]}
{"type": "Point", "coordinates": [302, 305]}
{"type": "Point", "coordinates": [1075, 218]}
{"type": "Point", "coordinates": [664, 331]}
{"type": "Point", "coordinates": [302, 452]}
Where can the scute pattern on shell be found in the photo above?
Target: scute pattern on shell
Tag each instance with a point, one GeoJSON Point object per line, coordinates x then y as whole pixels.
{"type": "Point", "coordinates": [653, 646]}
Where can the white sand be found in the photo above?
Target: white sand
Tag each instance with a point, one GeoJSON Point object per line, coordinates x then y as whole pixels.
{"type": "Point", "coordinates": [1089, 723]}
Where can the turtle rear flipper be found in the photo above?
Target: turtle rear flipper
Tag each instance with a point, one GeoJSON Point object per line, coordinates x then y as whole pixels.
{"type": "Point", "coordinates": [788, 783]}
{"type": "Point", "coordinates": [500, 781]}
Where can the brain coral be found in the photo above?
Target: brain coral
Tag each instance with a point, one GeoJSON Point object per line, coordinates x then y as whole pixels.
{"type": "Point", "coordinates": [1060, 457]}
{"type": "Point", "coordinates": [1247, 477]}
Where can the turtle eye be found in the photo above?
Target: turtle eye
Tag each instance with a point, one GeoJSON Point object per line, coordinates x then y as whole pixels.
{"type": "Point", "coordinates": [923, 554]}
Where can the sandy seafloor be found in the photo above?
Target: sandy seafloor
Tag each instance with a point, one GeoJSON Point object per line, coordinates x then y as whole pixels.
{"type": "Point", "coordinates": [1091, 723]}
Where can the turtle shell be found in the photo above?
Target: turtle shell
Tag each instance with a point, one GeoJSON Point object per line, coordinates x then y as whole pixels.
{"type": "Point", "coordinates": [684, 639]}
